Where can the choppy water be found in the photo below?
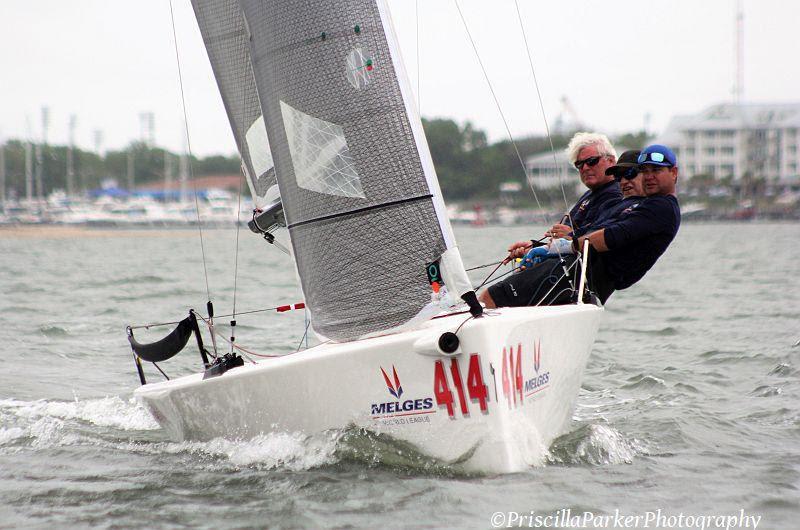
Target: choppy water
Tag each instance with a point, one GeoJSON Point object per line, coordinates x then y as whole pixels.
{"type": "Point", "coordinates": [690, 401]}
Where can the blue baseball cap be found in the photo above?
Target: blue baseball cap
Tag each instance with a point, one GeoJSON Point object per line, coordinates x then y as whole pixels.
{"type": "Point", "coordinates": [657, 155]}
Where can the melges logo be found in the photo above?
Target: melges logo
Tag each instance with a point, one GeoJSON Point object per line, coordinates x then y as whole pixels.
{"type": "Point", "coordinates": [400, 408]}
{"type": "Point", "coordinates": [540, 380]}
{"type": "Point", "coordinates": [396, 390]}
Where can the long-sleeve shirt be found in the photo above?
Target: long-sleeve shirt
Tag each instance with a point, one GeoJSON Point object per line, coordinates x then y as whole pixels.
{"type": "Point", "coordinates": [592, 204]}
{"type": "Point", "coordinates": [638, 236]}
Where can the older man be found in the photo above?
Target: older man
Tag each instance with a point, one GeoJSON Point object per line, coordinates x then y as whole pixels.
{"type": "Point", "coordinates": [591, 154]}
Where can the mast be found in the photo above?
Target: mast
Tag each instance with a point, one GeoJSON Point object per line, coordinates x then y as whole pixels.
{"type": "Point", "coordinates": [738, 87]}
{"type": "Point", "coordinates": [28, 172]}
{"type": "Point", "coordinates": [2, 174]}
{"type": "Point", "coordinates": [168, 169]}
{"type": "Point", "coordinates": [40, 157]}
{"type": "Point", "coordinates": [70, 157]}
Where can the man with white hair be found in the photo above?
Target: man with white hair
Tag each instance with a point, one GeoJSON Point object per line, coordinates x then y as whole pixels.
{"type": "Point", "coordinates": [591, 154]}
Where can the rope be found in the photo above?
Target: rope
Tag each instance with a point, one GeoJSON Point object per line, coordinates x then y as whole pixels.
{"type": "Point", "coordinates": [546, 125]}
{"type": "Point", "coordinates": [304, 337]}
{"type": "Point", "coordinates": [490, 275]}
{"type": "Point", "coordinates": [240, 313]}
{"type": "Point", "coordinates": [499, 108]}
{"type": "Point", "coordinates": [484, 266]}
{"type": "Point", "coordinates": [566, 273]}
{"type": "Point", "coordinates": [236, 255]}
{"type": "Point", "coordinates": [541, 106]}
{"type": "Point", "coordinates": [240, 348]}
{"type": "Point", "coordinates": [189, 148]}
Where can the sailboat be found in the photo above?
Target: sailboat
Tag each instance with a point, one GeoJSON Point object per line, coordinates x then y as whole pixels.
{"type": "Point", "coordinates": [333, 151]}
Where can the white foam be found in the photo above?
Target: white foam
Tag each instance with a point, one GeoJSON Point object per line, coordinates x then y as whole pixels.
{"type": "Point", "coordinates": [9, 435]}
{"type": "Point", "coordinates": [292, 451]}
{"type": "Point", "coordinates": [604, 445]}
{"type": "Point", "coordinates": [105, 412]}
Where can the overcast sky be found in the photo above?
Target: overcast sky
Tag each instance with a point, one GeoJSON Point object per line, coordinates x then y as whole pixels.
{"type": "Point", "coordinates": [617, 61]}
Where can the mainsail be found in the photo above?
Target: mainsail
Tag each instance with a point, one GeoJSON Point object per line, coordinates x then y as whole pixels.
{"type": "Point", "coordinates": [358, 186]}
{"type": "Point", "coordinates": [222, 27]}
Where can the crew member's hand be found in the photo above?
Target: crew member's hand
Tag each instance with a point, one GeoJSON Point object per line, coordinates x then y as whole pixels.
{"type": "Point", "coordinates": [557, 230]}
{"type": "Point", "coordinates": [517, 250]}
{"type": "Point", "coordinates": [534, 256]}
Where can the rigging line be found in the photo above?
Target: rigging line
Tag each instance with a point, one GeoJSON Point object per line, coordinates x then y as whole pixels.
{"type": "Point", "coordinates": [497, 104]}
{"type": "Point", "coordinates": [189, 148]}
{"type": "Point", "coordinates": [494, 280]}
{"type": "Point", "coordinates": [236, 256]}
{"type": "Point", "coordinates": [541, 106]}
{"type": "Point", "coordinates": [565, 274]}
{"type": "Point", "coordinates": [490, 275]}
{"type": "Point", "coordinates": [305, 334]}
{"type": "Point", "coordinates": [483, 266]}
{"type": "Point", "coordinates": [235, 345]}
{"type": "Point", "coordinates": [240, 313]}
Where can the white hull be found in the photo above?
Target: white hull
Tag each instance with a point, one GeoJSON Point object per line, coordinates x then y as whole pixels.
{"type": "Point", "coordinates": [333, 386]}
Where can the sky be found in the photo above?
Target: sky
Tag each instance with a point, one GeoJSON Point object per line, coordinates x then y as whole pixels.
{"type": "Point", "coordinates": [622, 65]}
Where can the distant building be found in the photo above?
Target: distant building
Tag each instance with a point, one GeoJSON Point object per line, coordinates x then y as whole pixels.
{"type": "Point", "coordinates": [739, 141]}
{"type": "Point", "coordinates": [546, 171]}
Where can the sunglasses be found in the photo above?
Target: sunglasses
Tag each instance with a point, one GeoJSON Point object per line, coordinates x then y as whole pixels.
{"type": "Point", "coordinates": [591, 162]}
{"type": "Point", "coordinates": [652, 157]}
{"type": "Point", "coordinates": [629, 174]}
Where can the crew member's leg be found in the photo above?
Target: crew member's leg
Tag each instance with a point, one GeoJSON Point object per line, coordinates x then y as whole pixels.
{"type": "Point", "coordinates": [543, 284]}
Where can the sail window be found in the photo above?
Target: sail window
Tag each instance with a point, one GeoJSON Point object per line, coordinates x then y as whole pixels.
{"type": "Point", "coordinates": [359, 68]}
{"type": "Point", "coordinates": [260, 156]}
{"type": "Point", "coordinates": [321, 159]}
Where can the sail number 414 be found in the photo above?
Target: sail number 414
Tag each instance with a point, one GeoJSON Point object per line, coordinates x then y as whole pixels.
{"type": "Point", "coordinates": [476, 389]}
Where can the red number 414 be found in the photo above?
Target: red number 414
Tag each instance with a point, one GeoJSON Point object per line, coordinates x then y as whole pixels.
{"type": "Point", "coordinates": [476, 388]}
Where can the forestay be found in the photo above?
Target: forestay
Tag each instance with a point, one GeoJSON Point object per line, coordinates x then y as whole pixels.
{"type": "Point", "coordinates": [359, 190]}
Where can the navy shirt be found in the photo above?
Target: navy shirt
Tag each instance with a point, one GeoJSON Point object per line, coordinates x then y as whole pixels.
{"type": "Point", "coordinates": [609, 215]}
{"type": "Point", "coordinates": [638, 236]}
{"type": "Point", "coordinates": [592, 204]}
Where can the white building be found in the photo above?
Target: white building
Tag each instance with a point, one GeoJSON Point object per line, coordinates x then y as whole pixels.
{"type": "Point", "coordinates": [738, 140]}
{"type": "Point", "coordinates": [548, 171]}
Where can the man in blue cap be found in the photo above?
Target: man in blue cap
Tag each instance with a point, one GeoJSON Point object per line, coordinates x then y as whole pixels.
{"type": "Point", "coordinates": [630, 245]}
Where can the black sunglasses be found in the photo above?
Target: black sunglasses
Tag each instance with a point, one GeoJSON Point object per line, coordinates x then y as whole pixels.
{"type": "Point", "coordinates": [628, 174]}
{"type": "Point", "coordinates": [591, 162]}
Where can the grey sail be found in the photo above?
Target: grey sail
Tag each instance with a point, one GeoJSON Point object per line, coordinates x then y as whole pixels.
{"type": "Point", "coordinates": [359, 191]}
{"type": "Point", "coordinates": [224, 35]}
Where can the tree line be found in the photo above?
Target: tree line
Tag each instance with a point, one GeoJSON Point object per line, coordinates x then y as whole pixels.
{"type": "Point", "coordinates": [468, 166]}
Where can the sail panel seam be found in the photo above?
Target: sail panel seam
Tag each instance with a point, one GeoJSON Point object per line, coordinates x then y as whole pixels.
{"type": "Point", "coordinates": [361, 210]}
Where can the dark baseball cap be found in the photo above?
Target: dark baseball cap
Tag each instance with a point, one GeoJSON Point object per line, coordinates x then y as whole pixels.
{"type": "Point", "coordinates": [657, 155]}
{"type": "Point", "coordinates": [627, 160]}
